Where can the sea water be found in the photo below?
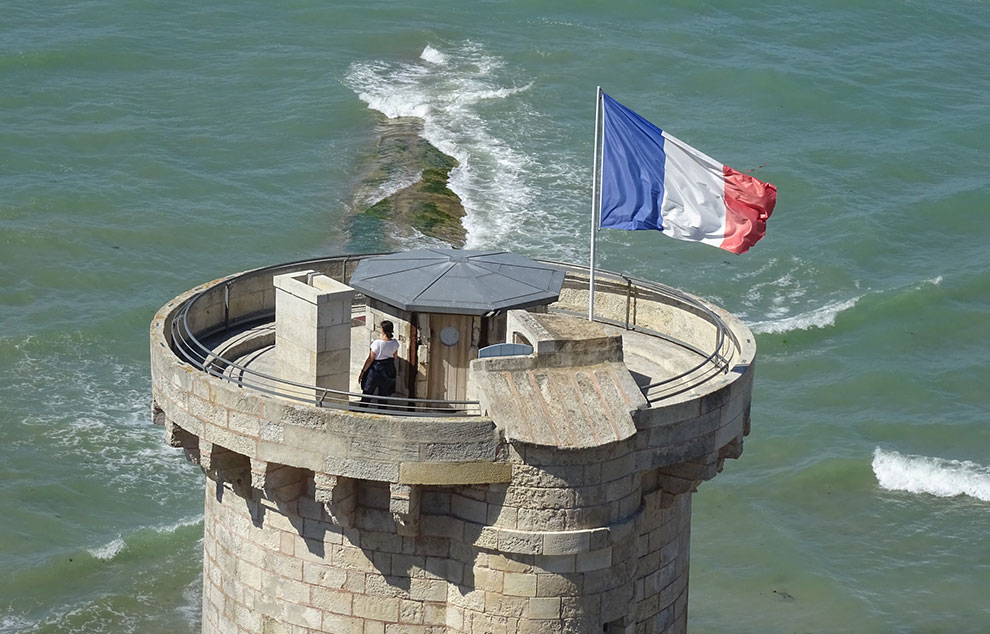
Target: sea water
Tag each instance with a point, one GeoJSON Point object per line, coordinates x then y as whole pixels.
{"type": "Point", "coordinates": [148, 147]}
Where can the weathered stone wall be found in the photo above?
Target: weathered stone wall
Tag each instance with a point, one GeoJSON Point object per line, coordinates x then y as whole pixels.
{"type": "Point", "coordinates": [281, 565]}
{"type": "Point", "coordinates": [663, 547]}
{"type": "Point", "coordinates": [487, 559]}
{"type": "Point", "coordinates": [581, 541]}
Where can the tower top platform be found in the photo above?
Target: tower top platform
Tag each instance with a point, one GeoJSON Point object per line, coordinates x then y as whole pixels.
{"type": "Point", "coordinates": [654, 358]}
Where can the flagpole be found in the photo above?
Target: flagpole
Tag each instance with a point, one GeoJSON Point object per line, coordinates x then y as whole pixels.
{"type": "Point", "coordinates": [595, 208]}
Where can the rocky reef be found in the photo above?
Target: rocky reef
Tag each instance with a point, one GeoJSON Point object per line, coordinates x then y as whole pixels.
{"type": "Point", "coordinates": [403, 193]}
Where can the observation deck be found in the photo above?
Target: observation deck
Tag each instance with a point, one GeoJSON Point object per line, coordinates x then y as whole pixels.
{"type": "Point", "coordinates": [561, 461]}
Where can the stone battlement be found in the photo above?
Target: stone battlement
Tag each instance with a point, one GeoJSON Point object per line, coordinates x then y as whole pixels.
{"type": "Point", "coordinates": [561, 503]}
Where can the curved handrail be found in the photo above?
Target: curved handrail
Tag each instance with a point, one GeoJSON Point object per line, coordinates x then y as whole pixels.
{"type": "Point", "coordinates": [188, 347]}
{"type": "Point", "coordinates": [323, 397]}
{"type": "Point", "coordinates": [723, 334]}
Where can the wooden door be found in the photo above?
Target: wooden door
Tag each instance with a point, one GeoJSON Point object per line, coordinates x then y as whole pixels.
{"type": "Point", "coordinates": [451, 350]}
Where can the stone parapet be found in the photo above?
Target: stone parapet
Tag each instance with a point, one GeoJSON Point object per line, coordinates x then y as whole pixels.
{"type": "Point", "coordinates": [326, 440]}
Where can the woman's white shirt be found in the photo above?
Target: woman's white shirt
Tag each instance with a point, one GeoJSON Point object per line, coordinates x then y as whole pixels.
{"type": "Point", "coordinates": [384, 348]}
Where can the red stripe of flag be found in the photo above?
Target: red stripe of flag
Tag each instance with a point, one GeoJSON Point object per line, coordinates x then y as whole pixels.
{"type": "Point", "coordinates": [748, 204]}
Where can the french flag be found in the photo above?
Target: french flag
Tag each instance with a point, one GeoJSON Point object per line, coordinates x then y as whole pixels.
{"type": "Point", "coordinates": [651, 180]}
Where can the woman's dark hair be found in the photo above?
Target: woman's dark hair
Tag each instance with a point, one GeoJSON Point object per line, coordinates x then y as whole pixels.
{"type": "Point", "coordinates": [387, 328]}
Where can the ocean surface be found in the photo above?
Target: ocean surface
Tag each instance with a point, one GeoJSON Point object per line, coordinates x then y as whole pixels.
{"type": "Point", "coordinates": [146, 147]}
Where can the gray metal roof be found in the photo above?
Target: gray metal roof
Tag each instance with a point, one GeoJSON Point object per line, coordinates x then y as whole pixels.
{"type": "Point", "coordinates": [457, 282]}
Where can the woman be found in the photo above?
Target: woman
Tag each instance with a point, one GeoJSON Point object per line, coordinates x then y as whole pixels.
{"type": "Point", "coordinates": [378, 374]}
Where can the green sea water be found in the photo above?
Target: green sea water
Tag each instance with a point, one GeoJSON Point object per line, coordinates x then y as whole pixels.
{"type": "Point", "coordinates": [148, 147]}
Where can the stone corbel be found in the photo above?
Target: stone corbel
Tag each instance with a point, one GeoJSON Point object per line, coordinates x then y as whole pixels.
{"type": "Point", "coordinates": [223, 465]}
{"type": "Point", "coordinates": [732, 450]}
{"type": "Point", "coordinates": [339, 495]}
{"type": "Point", "coordinates": [157, 414]}
{"type": "Point", "coordinates": [685, 477]}
{"type": "Point", "coordinates": [175, 436]}
{"type": "Point", "coordinates": [277, 482]}
{"type": "Point", "coordinates": [404, 504]}
{"type": "Point", "coordinates": [259, 475]}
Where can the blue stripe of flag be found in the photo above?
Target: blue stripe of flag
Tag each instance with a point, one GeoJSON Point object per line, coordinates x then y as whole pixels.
{"type": "Point", "coordinates": [632, 169]}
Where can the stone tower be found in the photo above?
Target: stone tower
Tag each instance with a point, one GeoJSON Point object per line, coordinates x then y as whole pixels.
{"type": "Point", "coordinates": [553, 496]}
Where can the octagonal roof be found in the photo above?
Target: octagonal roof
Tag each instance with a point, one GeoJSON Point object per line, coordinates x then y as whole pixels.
{"type": "Point", "coordinates": [455, 281]}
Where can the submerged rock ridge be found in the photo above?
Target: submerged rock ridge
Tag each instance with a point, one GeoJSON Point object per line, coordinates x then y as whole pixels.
{"type": "Point", "coordinates": [403, 190]}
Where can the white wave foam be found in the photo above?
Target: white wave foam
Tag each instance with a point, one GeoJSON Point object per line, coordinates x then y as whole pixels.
{"type": "Point", "coordinates": [388, 188]}
{"type": "Point", "coordinates": [96, 416]}
{"type": "Point", "coordinates": [767, 267]}
{"type": "Point", "coordinates": [393, 93]}
{"type": "Point", "coordinates": [109, 550]}
{"type": "Point", "coordinates": [776, 287]}
{"type": "Point", "coordinates": [936, 476]}
{"type": "Point", "coordinates": [192, 608]}
{"type": "Point", "coordinates": [16, 623]}
{"type": "Point", "coordinates": [171, 528]}
{"type": "Point", "coordinates": [818, 318]}
{"type": "Point", "coordinates": [412, 238]}
{"type": "Point", "coordinates": [90, 616]}
{"type": "Point", "coordinates": [787, 288]}
{"type": "Point", "coordinates": [495, 180]}
{"type": "Point", "coordinates": [432, 55]}
{"type": "Point", "coordinates": [114, 547]}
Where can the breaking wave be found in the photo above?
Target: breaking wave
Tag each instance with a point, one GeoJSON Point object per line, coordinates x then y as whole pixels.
{"type": "Point", "coordinates": [818, 318]}
{"type": "Point", "coordinates": [432, 55]}
{"type": "Point", "coordinates": [822, 317]}
{"type": "Point", "coordinates": [462, 93]}
{"type": "Point", "coordinates": [109, 550]}
{"type": "Point", "coordinates": [116, 546]}
{"type": "Point", "coordinates": [171, 528]}
{"type": "Point", "coordinates": [191, 609]}
{"type": "Point", "coordinates": [935, 476]}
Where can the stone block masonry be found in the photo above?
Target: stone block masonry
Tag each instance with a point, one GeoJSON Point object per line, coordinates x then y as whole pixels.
{"type": "Point", "coordinates": [312, 331]}
{"type": "Point", "coordinates": [278, 560]}
{"type": "Point", "coordinates": [325, 520]}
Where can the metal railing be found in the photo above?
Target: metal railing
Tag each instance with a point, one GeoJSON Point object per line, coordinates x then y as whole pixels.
{"type": "Point", "coordinates": [717, 361]}
{"type": "Point", "coordinates": [188, 346]}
